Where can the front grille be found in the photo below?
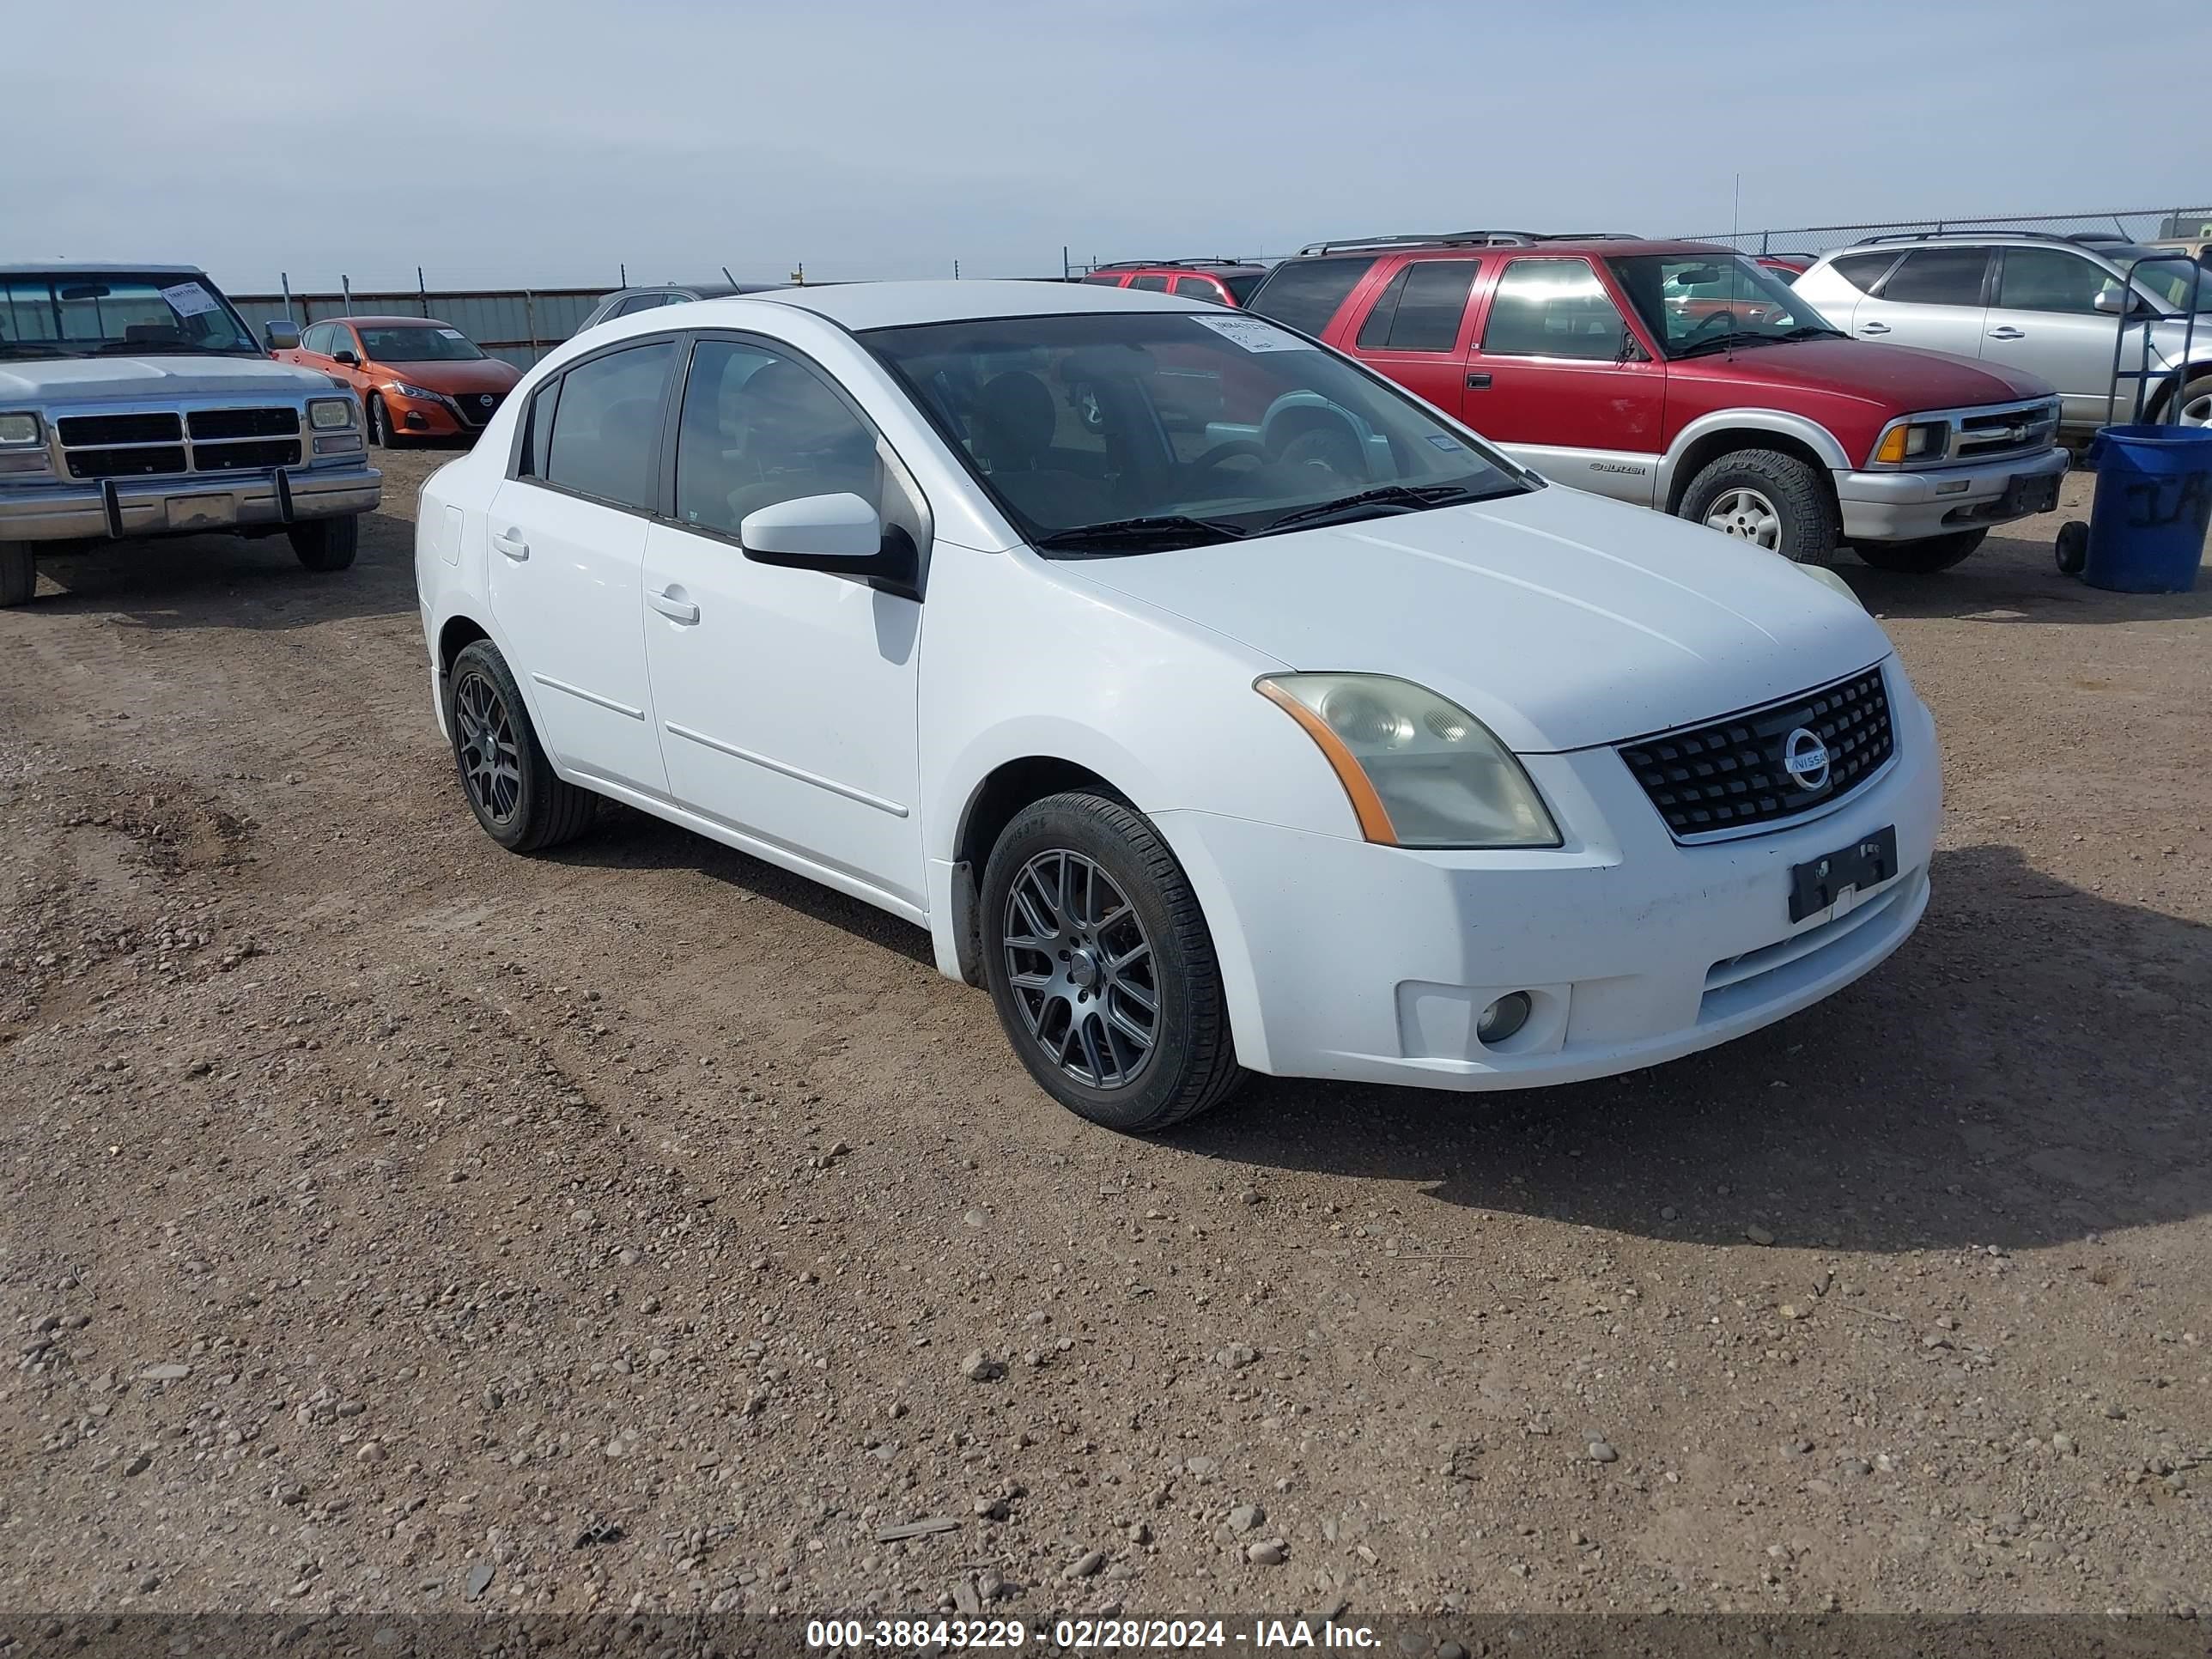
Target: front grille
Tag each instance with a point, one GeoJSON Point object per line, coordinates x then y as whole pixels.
{"type": "Point", "coordinates": [1730, 775]}
{"type": "Point", "coordinates": [229, 457]}
{"type": "Point", "coordinates": [474, 410]}
{"type": "Point", "coordinates": [208, 423]}
{"type": "Point", "coordinates": [118, 429]}
{"type": "Point", "coordinates": [2004, 431]}
{"type": "Point", "coordinates": [126, 463]}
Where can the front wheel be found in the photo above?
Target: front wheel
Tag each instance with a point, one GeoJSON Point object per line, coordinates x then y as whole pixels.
{"type": "Point", "coordinates": [19, 573]}
{"type": "Point", "coordinates": [380, 423]}
{"type": "Point", "coordinates": [512, 787]}
{"type": "Point", "coordinates": [1924, 557]}
{"type": "Point", "coordinates": [1101, 968]}
{"type": "Point", "coordinates": [1769, 499]}
{"type": "Point", "coordinates": [325, 544]}
{"type": "Point", "coordinates": [2197, 402]}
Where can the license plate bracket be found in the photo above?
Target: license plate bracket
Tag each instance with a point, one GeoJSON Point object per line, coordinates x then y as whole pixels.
{"type": "Point", "coordinates": [1819, 884]}
{"type": "Point", "coordinates": [2025, 495]}
{"type": "Point", "coordinates": [199, 511]}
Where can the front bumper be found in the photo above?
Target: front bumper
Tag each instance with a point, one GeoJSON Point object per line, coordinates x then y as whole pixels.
{"type": "Point", "coordinates": [1370, 963]}
{"type": "Point", "coordinates": [197, 503]}
{"type": "Point", "coordinates": [1909, 506]}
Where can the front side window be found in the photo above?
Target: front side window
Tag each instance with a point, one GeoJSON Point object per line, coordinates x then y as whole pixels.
{"type": "Point", "coordinates": [1938, 276]}
{"type": "Point", "coordinates": [1695, 304]}
{"type": "Point", "coordinates": [1305, 294]}
{"type": "Point", "coordinates": [1117, 433]}
{"type": "Point", "coordinates": [316, 339]}
{"type": "Point", "coordinates": [411, 342]}
{"type": "Point", "coordinates": [1198, 287]}
{"type": "Point", "coordinates": [758, 427]}
{"type": "Point", "coordinates": [90, 314]}
{"type": "Point", "coordinates": [1155, 284]}
{"type": "Point", "coordinates": [342, 340]}
{"type": "Point", "coordinates": [605, 420]}
{"type": "Point", "coordinates": [2180, 284]}
{"type": "Point", "coordinates": [1553, 309]}
{"type": "Point", "coordinates": [1421, 308]}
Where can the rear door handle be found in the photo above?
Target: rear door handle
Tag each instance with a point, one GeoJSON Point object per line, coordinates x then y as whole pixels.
{"type": "Point", "coordinates": [2007, 332]}
{"type": "Point", "coordinates": [1874, 328]}
{"type": "Point", "coordinates": [510, 543]}
{"type": "Point", "coordinates": [1478, 383]}
{"type": "Point", "coordinates": [672, 607]}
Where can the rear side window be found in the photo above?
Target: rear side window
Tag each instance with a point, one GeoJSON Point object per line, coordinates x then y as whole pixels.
{"type": "Point", "coordinates": [1154, 284]}
{"type": "Point", "coordinates": [1863, 270]}
{"type": "Point", "coordinates": [1421, 309]}
{"type": "Point", "coordinates": [1305, 294]}
{"type": "Point", "coordinates": [1110, 279]}
{"type": "Point", "coordinates": [1938, 276]}
{"type": "Point", "coordinates": [638, 302]}
{"type": "Point", "coordinates": [1553, 309]}
{"type": "Point", "coordinates": [606, 423]}
{"type": "Point", "coordinates": [1198, 287]}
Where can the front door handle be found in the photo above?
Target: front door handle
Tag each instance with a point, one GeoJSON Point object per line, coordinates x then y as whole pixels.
{"type": "Point", "coordinates": [2007, 332]}
{"type": "Point", "coordinates": [1478, 383]}
{"type": "Point", "coordinates": [671, 605]}
{"type": "Point", "coordinates": [510, 543]}
{"type": "Point", "coordinates": [1874, 328]}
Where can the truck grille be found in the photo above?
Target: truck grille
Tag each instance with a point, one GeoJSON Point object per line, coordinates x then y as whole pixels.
{"type": "Point", "coordinates": [1986, 434]}
{"type": "Point", "coordinates": [1731, 774]}
{"type": "Point", "coordinates": [95, 430]}
{"type": "Point", "coordinates": [231, 457]}
{"type": "Point", "coordinates": [217, 423]}
{"type": "Point", "coordinates": [156, 443]}
{"type": "Point", "coordinates": [142, 462]}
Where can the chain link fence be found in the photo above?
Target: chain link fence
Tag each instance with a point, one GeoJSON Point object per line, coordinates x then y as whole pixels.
{"type": "Point", "coordinates": [2125, 224]}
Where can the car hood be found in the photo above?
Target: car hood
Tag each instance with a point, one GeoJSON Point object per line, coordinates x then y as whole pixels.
{"type": "Point", "coordinates": [1560, 620]}
{"type": "Point", "coordinates": [1889, 379]}
{"type": "Point", "coordinates": [482, 374]}
{"type": "Point", "coordinates": [96, 378]}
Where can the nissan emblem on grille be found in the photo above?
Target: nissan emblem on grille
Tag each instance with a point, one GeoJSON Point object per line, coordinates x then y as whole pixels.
{"type": "Point", "coordinates": [1768, 765]}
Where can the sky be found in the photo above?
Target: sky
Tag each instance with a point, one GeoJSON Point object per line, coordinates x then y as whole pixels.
{"type": "Point", "coordinates": [554, 144]}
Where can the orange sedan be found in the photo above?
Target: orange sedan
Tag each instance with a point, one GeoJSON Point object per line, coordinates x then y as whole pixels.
{"type": "Point", "coordinates": [417, 377]}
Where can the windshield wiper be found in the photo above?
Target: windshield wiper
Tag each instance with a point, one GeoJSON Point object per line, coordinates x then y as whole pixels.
{"type": "Point", "coordinates": [44, 348]}
{"type": "Point", "coordinates": [1815, 332]}
{"type": "Point", "coordinates": [1410, 498]}
{"type": "Point", "coordinates": [1734, 336]}
{"type": "Point", "coordinates": [167, 349]}
{"type": "Point", "coordinates": [1159, 529]}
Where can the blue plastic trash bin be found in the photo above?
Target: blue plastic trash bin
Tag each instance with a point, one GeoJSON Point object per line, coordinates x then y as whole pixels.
{"type": "Point", "coordinates": [2154, 503]}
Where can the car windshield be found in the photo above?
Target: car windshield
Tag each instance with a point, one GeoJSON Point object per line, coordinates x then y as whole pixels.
{"type": "Point", "coordinates": [1700, 303]}
{"type": "Point", "coordinates": [414, 343]}
{"type": "Point", "coordinates": [69, 314]}
{"type": "Point", "coordinates": [1120, 432]}
{"type": "Point", "coordinates": [2174, 282]}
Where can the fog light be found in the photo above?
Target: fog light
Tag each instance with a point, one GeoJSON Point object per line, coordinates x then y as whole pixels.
{"type": "Point", "coordinates": [1503, 1017]}
{"type": "Point", "coordinates": [346, 442]}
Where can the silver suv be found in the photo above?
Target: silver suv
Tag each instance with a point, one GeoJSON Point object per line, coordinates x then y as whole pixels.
{"type": "Point", "coordinates": [2050, 304]}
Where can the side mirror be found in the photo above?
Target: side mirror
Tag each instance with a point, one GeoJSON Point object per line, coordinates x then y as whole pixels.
{"type": "Point", "coordinates": [839, 534]}
{"type": "Point", "coordinates": [344, 355]}
{"type": "Point", "coordinates": [2110, 301]}
{"type": "Point", "coordinates": [281, 337]}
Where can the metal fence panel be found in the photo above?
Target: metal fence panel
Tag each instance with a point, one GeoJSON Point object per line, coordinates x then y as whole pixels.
{"type": "Point", "coordinates": [518, 325]}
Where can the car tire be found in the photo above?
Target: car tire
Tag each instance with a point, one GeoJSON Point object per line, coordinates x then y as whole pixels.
{"type": "Point", "coordinates": [325, 544]}
{"type": "Point", "coordinates": [19, 573]}
{"type": "Point", "coordinates": [508, 783]}
{"type": "Point", "coordinates": [1089, 883]}
{"type": "Point", "coordinates": [380, 423]}
{"type": "Point", "coordinates": [1772, 500]}
{"type": "Point", "coordinates": [2197, 400]}
{"type": "Point", "coordinates": [1924, 557]}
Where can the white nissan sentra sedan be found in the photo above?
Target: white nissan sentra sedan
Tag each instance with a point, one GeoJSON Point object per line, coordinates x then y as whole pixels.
{"type": "Point", "coordinates": [1217, 705]}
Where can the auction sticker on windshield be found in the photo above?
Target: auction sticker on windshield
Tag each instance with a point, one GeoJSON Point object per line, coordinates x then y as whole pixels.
{"type": "Point", "coordinates": [1253, 335]}
{"type": "Point", "coordinates": [189, 299]}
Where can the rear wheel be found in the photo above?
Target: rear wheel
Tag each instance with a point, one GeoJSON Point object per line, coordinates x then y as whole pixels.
{"type": "Point", "coordinates": [1769, 499]}
{"type": "Point", "coordinates": [1101, 968]}
{"type": "Point", "coordinates": [325, 544]}
{"type": "Point", "coordinates": [1924, 557]}
{"type": "Point", "coordinates": [19, 573]}
{"type": "Point", "coordinates": [512, 787]}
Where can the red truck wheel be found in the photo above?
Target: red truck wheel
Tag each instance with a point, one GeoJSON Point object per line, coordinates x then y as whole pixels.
{"type": "Point", "coordinates": [1769, 499]}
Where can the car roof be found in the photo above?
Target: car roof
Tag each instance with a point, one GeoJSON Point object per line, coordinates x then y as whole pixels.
{"type": "Point", "coordinates": [890, 305]}
{"type": "Point", "coordinates": [88, 267]}
{"type": "Point", "coordinates": [388, 322]}
{"type": "Point", "coordinates": [1611, 247]}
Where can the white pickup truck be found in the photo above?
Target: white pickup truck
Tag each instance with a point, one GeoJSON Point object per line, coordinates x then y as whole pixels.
{"type": "Point", "coordinates": [134, 401]}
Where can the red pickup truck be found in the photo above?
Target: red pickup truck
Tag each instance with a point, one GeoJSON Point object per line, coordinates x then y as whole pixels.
{"type": "Point", "coordinates": [1688, 377]}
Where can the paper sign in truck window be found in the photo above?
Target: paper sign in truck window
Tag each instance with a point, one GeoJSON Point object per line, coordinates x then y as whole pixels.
{"type": "Point", "coordinates": [189, 299]}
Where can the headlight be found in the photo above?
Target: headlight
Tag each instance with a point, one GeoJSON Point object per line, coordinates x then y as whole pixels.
{"type": "Point", "coordinates": [1421, 771]}
{"type": "Point", "coordinates": [325, 413]}
{"type": "Point", "coordinates": [1913, 440]}
{"type": "Point", "coordinates": [1828, 578]}
{"type": "Point", "coordinates": [423, 392]}
{"type": "Point", "coordinates": [20, 429]}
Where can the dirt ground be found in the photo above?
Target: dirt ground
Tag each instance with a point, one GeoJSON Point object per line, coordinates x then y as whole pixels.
{"type": "Point", "coordinates": [393, 1224]}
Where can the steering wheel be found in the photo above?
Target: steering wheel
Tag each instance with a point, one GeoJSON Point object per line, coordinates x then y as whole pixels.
{"type": "Point", "coordinates": [1225, 452]}
{"type": "Point", "coordinates": [1712, 324]}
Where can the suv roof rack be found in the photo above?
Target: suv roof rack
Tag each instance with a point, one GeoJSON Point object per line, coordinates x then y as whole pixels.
{"type": "Point", "coordinates": [1166, 264]}
{"type": "Point", "coordinates": [1469, 239]}
{"type": "Point", "coordinates": [2078, 238]}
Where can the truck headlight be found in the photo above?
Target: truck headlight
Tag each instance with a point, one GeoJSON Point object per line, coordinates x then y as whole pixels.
{"type": "Point", "coordinates": [17, 430]}
{"type": "Point", "coordinates": [1419, 769]}
{"type": "Point", "coordinates": [326, 413]}
{"type": "Point", "coordinates": [1913, 440]}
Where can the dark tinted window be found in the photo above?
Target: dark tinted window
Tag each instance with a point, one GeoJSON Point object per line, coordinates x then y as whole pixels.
{"type": "Point", "coordinates": [533, 462]}
{"type": "Point", "coordinates": [316, 339]}
{"type": "Point", "coordinates": [1240, 288]}
{"type": "Point", "coordinates": [638, 302]}
{"type": "Point", "coordinates": [1110, 278]}
{"type": "Point", "coordinates": [1156, 284]}
{"type": "Point", "coordinates": [1938, 276]}
{"type": "Point", "coordinates": [342, 340]}
{"type": "Point", "coordinates": [1421, 308]}
{"type": "Point", "coordinates": [1863, 270]}
{"type": "Point", "coordinates": [1198, 287]}
{"type": "Point", "coordinates": [606, 423]}
{"type": "Point", "coordinates": [760, 427]}
{"type": "Point", "coordinates": [1305, 292]}
{"type": "Point", "coordinates": [1553, 309]}
{"type": "Point", "coordinates": [2051, 279]}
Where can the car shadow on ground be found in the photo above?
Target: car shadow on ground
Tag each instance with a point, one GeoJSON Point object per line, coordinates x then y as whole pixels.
{"type": "Point", "coordinates": [2012, 579]}
{"type": "Point", "coordinates": [230, 581]}
{"type": "Point", "coordinates": [2064, 1093]}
